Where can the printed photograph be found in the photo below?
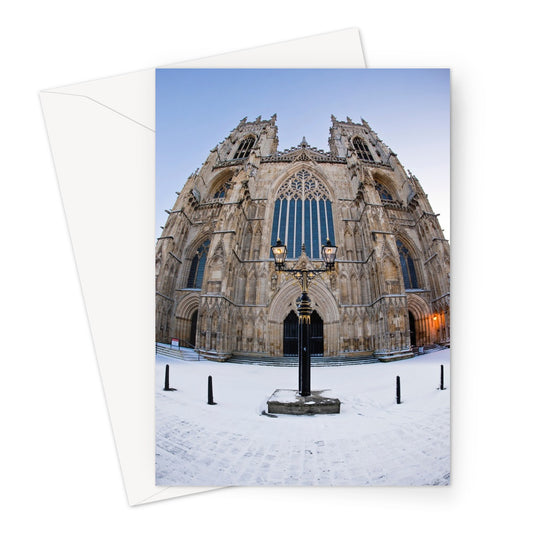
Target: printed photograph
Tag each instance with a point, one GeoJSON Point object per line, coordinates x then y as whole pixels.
{"type": "Point", "coordinates": [302, 282]}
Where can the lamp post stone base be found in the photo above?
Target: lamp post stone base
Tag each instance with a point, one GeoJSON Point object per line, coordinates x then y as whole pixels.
{"type": "Point", "coordinates": [289, 402]}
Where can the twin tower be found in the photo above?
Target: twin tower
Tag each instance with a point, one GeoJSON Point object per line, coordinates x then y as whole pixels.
{"type": "Point", "coordinates": [216, 286]}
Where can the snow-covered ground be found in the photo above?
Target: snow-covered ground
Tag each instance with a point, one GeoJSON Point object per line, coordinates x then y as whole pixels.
{"type": "Point", "coordinates": [373, 441]}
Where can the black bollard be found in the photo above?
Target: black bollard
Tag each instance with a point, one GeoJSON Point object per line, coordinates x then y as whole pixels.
{"type": "Point", "coordinates": [167, 386]}
{"type": "Point", "coordinates": [210, 391]}
{"type": "Point", "coordinates": [167, 380]}
{"type": "Point", "coordinates": [398, 393]}
{"type": "Point", "coordinates": [441, 377]}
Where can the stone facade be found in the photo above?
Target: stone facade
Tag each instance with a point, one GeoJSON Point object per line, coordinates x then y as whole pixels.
{"type": "Point", "coordinates": [216, 286]}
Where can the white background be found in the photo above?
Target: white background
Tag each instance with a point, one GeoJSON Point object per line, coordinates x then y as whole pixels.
{"type": "Point", "coordinates": [59, 470]}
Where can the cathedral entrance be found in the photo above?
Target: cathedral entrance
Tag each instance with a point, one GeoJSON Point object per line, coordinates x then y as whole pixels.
{"type": "Point", "coordinates": [290, 335]}
{"type": "Point", "coordinates": [317, 335]}
{"type": "Point", "coordinates": [192, 336]}
{"type": "Point", "coordinates": [412, 328]}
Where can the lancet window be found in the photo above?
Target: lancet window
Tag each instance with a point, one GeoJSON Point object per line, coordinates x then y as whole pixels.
{"type": "Point", "coordinates": [303, 214]}
{"type": "Point", "coordinates": [244, 148]}
{"type": "Point", "coordinates": [196, 273]}
{"type": "Point", "coordinates": [361, 149]}
{"type": "Point", "coordinates": [408, 266]}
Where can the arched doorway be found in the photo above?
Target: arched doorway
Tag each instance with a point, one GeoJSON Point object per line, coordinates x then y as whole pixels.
{"type": "Point", "coordinates": [317, 335]}
{"type": "Point", "coordinates": [412, 328]}
{"type": "Point", "coordinates": [322, 299]}
{"type": "Point", "coordinates": [290, 335]}
{"type": "Point", "coordinates": [419, 314]}
{"type": "Point", "coordinates": [192, 336]}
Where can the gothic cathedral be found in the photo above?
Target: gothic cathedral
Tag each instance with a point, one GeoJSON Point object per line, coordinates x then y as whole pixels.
{"type": "Point", "coordinates": [216, 286]}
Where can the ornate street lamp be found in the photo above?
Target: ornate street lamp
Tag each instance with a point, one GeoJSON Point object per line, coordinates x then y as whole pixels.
{"type": "Point", "coordinates": [329, 253]}
{"type": "Point", "coordinates": [304, 276]}
{"type": "Point", "coordinates": [280, 253]}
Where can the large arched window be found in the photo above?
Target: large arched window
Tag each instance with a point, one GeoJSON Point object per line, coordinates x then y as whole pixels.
{"type": "Point", "coordinates": [361, 149]}
{"type": "Point", "coordinates": [384, 194]}
{"type": "Point", "coordinates": [408, 266]}
{"type": "Point", "coordinates": [222, 190]}
{"type": "Point", "coordinates": [244, 148]}
{"type": "Point", "coordinates": [302, 214]}
{"type": "Point", "coordinates": [196, 274]}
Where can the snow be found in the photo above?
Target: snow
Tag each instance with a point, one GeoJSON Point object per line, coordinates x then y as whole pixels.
{"type": "Point", "coordinates": [373, 441]}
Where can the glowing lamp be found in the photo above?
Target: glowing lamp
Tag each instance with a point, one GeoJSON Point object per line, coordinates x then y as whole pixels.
{"type": "Point", "coordinates": [329, 252]}
{"type": "Point", "coordinates": [280, 253]}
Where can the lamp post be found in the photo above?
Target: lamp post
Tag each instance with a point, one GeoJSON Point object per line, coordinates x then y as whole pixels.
{"type": "Point", "coordinates": [304, 276]}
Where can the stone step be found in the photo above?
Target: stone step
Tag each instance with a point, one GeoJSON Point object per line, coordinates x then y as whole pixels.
{"type": "Point", "coordinates": [293, 361]}
{"type": "Point", "coordinates": [186, 354]}
{"type": "Point", "coordinates": [191, 355]}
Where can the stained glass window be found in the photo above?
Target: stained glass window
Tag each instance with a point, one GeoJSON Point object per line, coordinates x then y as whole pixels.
{"type": "Point", "coordinates": [303, 214]}
{"type": "Point", "coordinates": [361, 149]}
{"type": "Point", "coordinates": [222, 190]}
{"type": "Point", "coordinates": [196, 273]}
{"type": "Point", "coordinates": [383, 192]}
{"type": "Point", "coordinates": [408, 266]}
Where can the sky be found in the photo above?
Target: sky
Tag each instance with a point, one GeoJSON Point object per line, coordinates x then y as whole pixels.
{"type": "Point", "coordinates": [409, 109]}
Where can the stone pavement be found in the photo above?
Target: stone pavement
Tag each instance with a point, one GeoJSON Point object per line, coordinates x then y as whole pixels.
{"type": "Point", "coordinates": [365, 448]}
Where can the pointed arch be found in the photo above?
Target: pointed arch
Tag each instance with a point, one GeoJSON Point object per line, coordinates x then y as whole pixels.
{"type": "Point", "coordinates": [303, 214]}
{"type": "Point", "coordinates": [262, 281]}
{"type": "Point", "coordinates": [419, 314]}
{"type": "Point", "coordinates": [383, 192]}
{"type": "Point", "coordinates": [365, 288]}
{"type": "Point", "coordinates": [247, 241]}
{"type": "Point", "coordinates": [218, 256]}
{"type": "Point", "coordinates": [240, 285]}
{"type": "Point", "coordinates": [356, 289]}
{"type": "Point", "coordinates": [323, 302]}
{"type": "Point", "coordinates": [196, 271]}
{"type": "Point", "coordinates": [345, 288]}
{"type": "Point", "coordinates": [310, 166]}
{"type": "Point", "coordinates": [186, 321]}
{"type": "Point", "coordinates": [220, 184]}
{"type": "Point", "coordinates": [251, 292]}
{"type": "Point", "coordinates": [407, 264]}
{"type": "Point", "coordinates": [386, 187]}
{"type": "Point", "coordinates": [256, 241]}
{"type": "Point", "coordinates": [349, 242]}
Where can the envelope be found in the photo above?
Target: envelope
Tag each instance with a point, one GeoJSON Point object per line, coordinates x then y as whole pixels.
{"type": "Point", "coordinates": [102, 138]}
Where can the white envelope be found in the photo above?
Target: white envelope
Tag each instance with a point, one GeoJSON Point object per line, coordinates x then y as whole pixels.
{"type": "Point", "coordinates": [102, 137]}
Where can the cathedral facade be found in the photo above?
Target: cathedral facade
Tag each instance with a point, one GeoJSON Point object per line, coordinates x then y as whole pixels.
{"type": "Point", "coordinates": [217, 289]}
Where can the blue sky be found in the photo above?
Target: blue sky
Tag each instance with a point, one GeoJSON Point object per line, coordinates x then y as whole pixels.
{"type": "Point", "coordinates": [408, 108]}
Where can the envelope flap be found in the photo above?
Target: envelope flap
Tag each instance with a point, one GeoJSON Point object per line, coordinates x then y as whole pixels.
{"type": "Point", "coordinates": [120, 94]}
{"type": "Point", "coordinates": [124, 93]}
